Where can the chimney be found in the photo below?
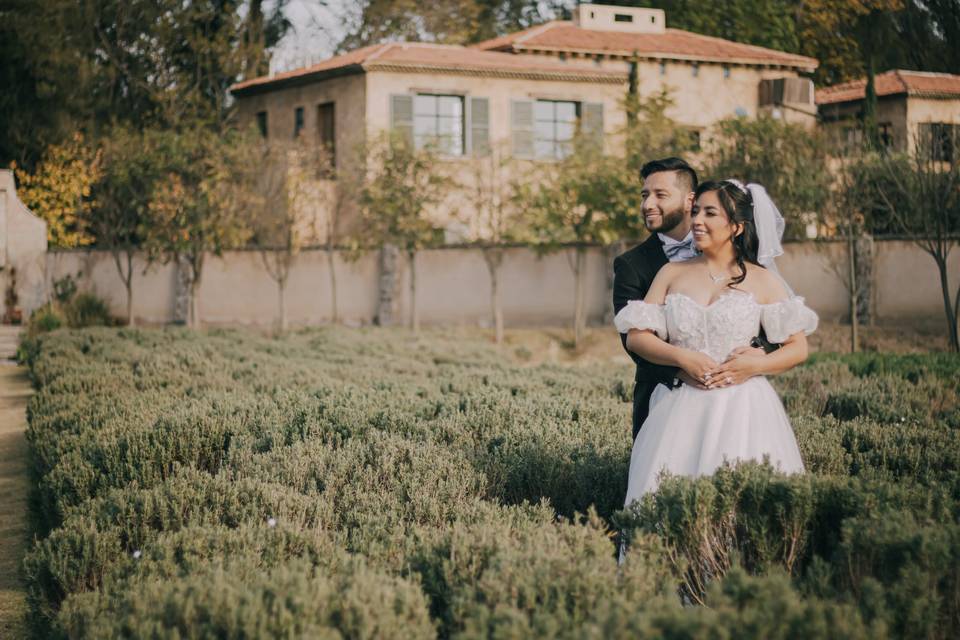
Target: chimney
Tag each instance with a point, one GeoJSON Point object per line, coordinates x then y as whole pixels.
{"type": "Point", "coordinates": [602, 17]}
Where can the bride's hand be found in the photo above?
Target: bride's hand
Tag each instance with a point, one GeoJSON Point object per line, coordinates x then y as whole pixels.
{"type": "Point", "coordinates": [741, 366]}
{"type": "Point", "coordinates": [697, 365]}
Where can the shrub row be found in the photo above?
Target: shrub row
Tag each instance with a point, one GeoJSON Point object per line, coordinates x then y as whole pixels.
{"type": "Point", "coordinates": [225, 484]}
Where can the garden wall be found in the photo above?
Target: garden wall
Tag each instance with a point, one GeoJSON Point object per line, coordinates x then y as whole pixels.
{"type": "Point", "coordinates": [454, 287]}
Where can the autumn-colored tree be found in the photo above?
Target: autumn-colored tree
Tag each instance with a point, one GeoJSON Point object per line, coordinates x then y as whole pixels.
{"type": "Point", "coordinates": [59, 189]}
{"type": "Point", "coordinates": [199, 205]}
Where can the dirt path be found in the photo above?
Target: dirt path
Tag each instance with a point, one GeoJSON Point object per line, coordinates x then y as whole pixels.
{"type": "Point", "coordinates": [15, 390]}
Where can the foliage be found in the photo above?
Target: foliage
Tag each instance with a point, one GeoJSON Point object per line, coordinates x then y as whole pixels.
{"type": "Point", "coordinates": [199, 205]}
{"type": "Point", "coordinates": [92, 64]}
{"type": "Point", "coordinates": [458, 22]}
{"type": "Point", "coordinates": [234, 484]}
{"type": "Point", "coordinates": [787, 159]}
{"type": "Point", "coordinates": [58, 191]}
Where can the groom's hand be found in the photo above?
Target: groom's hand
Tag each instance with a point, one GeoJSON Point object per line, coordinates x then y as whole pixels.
{"type": "Point", "coordinates": [743, 363]}
{"type": "Point", "coordinates": [697, 365]}
{"type": "Point", "coordinates": [687, 379]}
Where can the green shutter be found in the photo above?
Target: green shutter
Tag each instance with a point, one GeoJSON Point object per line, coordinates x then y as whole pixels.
{"type": "Point", "coordinates": [401, 115]}
{"type": "Point", "coordinates": [479, 126]}
{"type": "Point", "coordinates": [521, 121]}
{"type": "Point", "coordinates": [591, 122]}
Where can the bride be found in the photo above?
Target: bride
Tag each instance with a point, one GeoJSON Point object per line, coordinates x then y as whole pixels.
{"type": "Point", "coordinates": [694, 316]}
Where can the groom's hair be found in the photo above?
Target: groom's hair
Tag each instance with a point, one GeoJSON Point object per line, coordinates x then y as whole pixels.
{"type": "Point", "coordinates": [686, 176]}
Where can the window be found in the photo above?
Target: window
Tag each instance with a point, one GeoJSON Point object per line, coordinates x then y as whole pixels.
{"type": "Point", "coordinates": [555, 123]}
{"type": "Point", "coordinates": [941, 139]}
{"type": "Point", "coordinates": [885, 132]}
{"type": "Point", "coordinates": [695, 69]}
{"type": "Point", "coordinates": [262, 123]}
{"type": "Point", "coordinates": [297, 121]}
{"type": "Point", "coordinates": [326, 133]}
{"type": "Point", "coordinates": [663, 68]}
{"type": "Point", "coordinates": [438, 120]}
{"type": "Point", "coordinates": [726, 72]}
{"type": "Point", "coordinates": [622, 17]}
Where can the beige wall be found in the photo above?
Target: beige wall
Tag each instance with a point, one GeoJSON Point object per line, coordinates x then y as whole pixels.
{"type": "Point", "coordinates": [23, 246]}
{"type": "Point", "coordinates": [922, 110]}
{"type": "Point", "coordinates": [454, 286]}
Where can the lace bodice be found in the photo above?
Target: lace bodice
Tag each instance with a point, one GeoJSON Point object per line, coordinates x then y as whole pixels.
{"type": "Point", "coordinates": [716, 329]}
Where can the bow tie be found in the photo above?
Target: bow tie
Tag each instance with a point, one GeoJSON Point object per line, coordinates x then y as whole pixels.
{"type": "Point", "coordinates": [683, 250]}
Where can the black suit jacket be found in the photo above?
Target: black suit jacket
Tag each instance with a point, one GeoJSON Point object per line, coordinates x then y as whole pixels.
{"type": "Point", "coordinates": [633, 273]}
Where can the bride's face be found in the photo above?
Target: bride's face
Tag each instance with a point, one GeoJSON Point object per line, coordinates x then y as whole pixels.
{"type": "Point", "coordinates": [712, 227]}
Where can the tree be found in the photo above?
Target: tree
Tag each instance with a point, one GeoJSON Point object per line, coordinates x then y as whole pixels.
{"type": "Point", "coordinates": [400, 185]}
{"type": "Point", "coordinates": [495, 219]}
{"type": "Point", "coordinates": [788, 160]}
{"type": "Point", "coordinates": [89, 64]}
{"type": "Point", "coordinates": [291, 190]}
{"type": "Point", "coordinates": [197, 207]}
{"type": "Point", "coordinates": [58, 191]}
{"type": "Point", "coordinates": [450, 22]}
{"type": "Point", "coordinates": [122, 198]}
{"type": "Point", "coordinates": [579, 200]}
{"type": "Point", "coordinates": [922, 197]}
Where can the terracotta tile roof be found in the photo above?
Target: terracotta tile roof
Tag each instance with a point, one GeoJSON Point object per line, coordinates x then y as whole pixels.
{"type": "Point", "coordinates": [413, 56]}
{"type": "Point", "coordinates": [672, 44]}
{"type": "Point", "coordinates": [914, 83]}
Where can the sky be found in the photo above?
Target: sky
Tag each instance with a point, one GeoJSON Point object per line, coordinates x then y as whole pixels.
{"type": "Point", "coordinates": [317, 27]}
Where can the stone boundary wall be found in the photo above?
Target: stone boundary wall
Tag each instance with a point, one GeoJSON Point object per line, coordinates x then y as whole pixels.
{"type": "Point", "coordinates": [453, 285]}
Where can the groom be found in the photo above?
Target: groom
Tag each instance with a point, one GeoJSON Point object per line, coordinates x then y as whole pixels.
{"type": "Point", "coordinates": [667, 202]}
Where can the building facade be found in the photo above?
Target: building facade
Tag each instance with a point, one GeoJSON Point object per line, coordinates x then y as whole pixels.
{"type": "Point", "coordinates": [529, 92]}
{"type": "Point", "coordinates": [913, 108]}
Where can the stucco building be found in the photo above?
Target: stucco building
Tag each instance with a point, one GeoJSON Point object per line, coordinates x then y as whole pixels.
{"type": "Point", "coordinates": [912, 107]}
{"type": "Point", "coordinates": [528, 91]}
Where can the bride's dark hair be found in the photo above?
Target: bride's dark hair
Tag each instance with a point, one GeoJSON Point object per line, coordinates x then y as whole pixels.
{"type": "Point", "coordinates": [738, 205]}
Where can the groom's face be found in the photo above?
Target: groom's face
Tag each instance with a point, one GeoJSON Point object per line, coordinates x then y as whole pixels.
{"type": "Point", "coordinates": [665, 201]}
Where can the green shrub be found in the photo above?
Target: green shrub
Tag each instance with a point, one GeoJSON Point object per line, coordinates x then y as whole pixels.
{"type": "Point", "coordinates": [199, 484]}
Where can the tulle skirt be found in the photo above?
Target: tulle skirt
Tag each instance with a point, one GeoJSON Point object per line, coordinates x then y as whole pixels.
{"type": "Point", "coordinates": [691, 432]}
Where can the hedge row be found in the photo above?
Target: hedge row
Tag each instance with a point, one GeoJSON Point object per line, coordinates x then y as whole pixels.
{"type": "Point", "coordinates": [369, 483]}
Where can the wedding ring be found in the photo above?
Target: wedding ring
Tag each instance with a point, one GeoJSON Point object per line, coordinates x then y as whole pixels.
{"type": "Point", "coordinates": [706, 376]}
{"type": "Point", "coordinates": [728, 380]}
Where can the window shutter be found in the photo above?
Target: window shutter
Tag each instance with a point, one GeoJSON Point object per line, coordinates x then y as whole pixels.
{"type": "Point", "coordinates": [521, 120]}
{"type": "Point", "coordinates": [401, 115]}
{"type": "Point", "coordinates": [591, 122]}
{"type": "Point", "coordinates": [479, 126]}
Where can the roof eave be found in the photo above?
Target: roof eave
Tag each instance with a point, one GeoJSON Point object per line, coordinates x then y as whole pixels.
{"type": "Point", "coordinates": [810, 67]}
{"type": "Point", "coordinates": [573, 74]}
{"type": "Point", "coordinates": [257, 85]}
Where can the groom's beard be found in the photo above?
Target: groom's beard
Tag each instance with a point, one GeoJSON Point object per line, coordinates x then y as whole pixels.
{"type": "Point", "coordinates": [668, 222]}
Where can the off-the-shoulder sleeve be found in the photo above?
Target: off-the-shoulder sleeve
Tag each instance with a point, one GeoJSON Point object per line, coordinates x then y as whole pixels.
{"type": "Point", "coordinates": [642, 315]}
{"type": "Point", "coordinates": [781, 320]}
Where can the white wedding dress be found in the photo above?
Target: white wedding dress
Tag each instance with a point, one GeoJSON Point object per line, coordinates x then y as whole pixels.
{"type": "Point", "coordinates": [690, 431]}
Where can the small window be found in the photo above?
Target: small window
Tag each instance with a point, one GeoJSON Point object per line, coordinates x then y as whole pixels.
{"type": "Point", "coordinates": [262, 123]}
{"type": "Point", "coordinates": [297, 121]}
{"type": "Point", "coordinates": [622, 17]}
{"type": "Point", "coordinates": [885, 131]}
{"type": "Point", "coordinates": [695, 70]}
{"type": "Point", "coordinates": [663, 68]}
{"type": "Point", "coordinates": [653, 19]}
{"type": "Point", "coordinates": [726, 72]}
{"type": "Point", "coordinates": [326, 131]}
